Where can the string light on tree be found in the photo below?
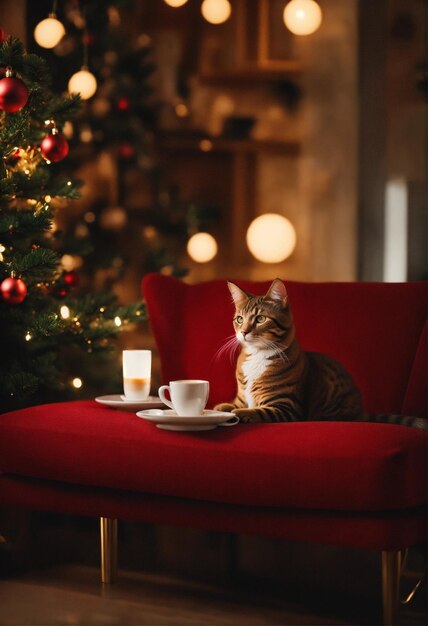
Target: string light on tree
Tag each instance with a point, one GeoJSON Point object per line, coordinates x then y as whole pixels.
{"type": "Point", "coordinates": [202, 247]}
{"type": "Point", "coordinates": [77, 383]}
{"type": "Point", "coordinates": [271, 238]}
{"type": "Point", "coordinates": [49, 32]}
{"type": "Point", "coordinates": [302, 17]}
{"type": "Point", "coordinates": [216, 11]}
{"type": "Point", "coordinates": [64, 312]}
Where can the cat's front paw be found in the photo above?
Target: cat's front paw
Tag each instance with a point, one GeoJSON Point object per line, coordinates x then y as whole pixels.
{"type": "Point", "coordinates": [224, 406]}
{"type": "Point", "coordinates": [246, 416]}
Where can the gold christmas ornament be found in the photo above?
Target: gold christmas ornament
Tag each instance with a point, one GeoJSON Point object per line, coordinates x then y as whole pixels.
{"type": "Point", "coordinates": [20, 160]}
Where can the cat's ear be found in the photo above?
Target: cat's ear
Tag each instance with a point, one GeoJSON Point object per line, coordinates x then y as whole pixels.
{"type": "Point", "coordinates": [277, 292]}
{"type": "Point", "coordinates": [239, 296]}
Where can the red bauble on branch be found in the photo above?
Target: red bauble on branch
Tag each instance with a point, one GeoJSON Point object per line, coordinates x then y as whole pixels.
{"type": "Point", "coordinates": [13, 93]}
{"type": "Point", "coordinates": [123, 104]}
{"type": "Point", "coordinates": [54, 147]}
{"type": "Point", "coordinates": [13, 290]}
{"type": "Point", "coordinates": [126, 151]}
{"type": "Point", "coordinates": [71, 279]}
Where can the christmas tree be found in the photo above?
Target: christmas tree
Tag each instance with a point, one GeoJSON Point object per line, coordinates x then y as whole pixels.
{"type": "Point", "coordinates": [47, 325]}
{"type": "Point", "coordinates": [145, 222]}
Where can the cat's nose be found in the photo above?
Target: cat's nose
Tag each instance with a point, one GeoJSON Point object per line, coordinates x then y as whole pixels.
{"type": "Point", "coordinates": [244, 332]}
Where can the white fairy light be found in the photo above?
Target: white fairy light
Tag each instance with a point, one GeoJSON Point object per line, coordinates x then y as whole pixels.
{"type": "Point", "coordinates": [271, 238]}
{"type": "Point", "coordinates": [202, 247]}
{"type": "Point", "coordinates": [216, 11]}
{"type": "Point", "coordinates": [175, 3]}
{"type": "Point", "coordinates": [49, 32]}
{"type": "Point", "coordinates": [83, 82]}
{"type": "Point", "coordinates": [65, 312]}
{"type": "Point", "coordinates": [302, 17]}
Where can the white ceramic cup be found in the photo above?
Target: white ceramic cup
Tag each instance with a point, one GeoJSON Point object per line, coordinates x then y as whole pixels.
{"type": "Point", "coordinates": [188, 397]}
{"type": "Point", "coordinates": [137, 365]}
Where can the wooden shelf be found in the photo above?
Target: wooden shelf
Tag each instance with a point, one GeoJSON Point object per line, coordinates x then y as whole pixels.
{"type": "Point", "coordinates": [204, 143]}
{"type": "Point", "coordinates": [273, 72]}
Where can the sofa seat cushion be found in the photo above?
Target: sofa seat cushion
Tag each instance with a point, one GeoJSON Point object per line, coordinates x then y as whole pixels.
{"type": "Point", "coordinates": [309, 465]}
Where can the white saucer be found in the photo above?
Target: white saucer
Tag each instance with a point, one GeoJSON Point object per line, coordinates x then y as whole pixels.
{"type": "Point", "coordinates": [118, 402]}
{"type": "Point", "coordinates": [186, 428]}
{"type": "Point", "coordinates": [169, 420]}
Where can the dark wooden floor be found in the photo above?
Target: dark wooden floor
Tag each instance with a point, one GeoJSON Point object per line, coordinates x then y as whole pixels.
{"type": "Point", "coordinates": [72, 595]}
{"type": "Point", "coordinates": [181, 577]}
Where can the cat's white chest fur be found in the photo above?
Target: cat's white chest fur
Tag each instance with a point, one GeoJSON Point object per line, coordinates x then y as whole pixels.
{"type": "Point", "coordinates": [253, 367]}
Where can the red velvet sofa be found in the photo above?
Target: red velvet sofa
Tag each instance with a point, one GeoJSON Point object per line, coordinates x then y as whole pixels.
{"type": "Point", "coordinates": [351, 484]}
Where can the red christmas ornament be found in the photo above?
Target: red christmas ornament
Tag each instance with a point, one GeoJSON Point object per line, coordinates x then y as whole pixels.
{"type": "Point", "coordinates": [62, 293]}
{"type": "Point", "coordinates": [122, 104]}
{"type": "Point", "coordinates": [88, 39]}
{"type": "Point", "coordinates": [1, 35]}
{"type": "Point", "coordinates": [126, 151]}
{"type": "Point", "coordinates": [71, 279]}
{"type": "Point", "coordinates": [13, 93]}
{"type": "Point", "coordinates": [54, 147]}
{"type": "Point", "coordinates": [13, 290]}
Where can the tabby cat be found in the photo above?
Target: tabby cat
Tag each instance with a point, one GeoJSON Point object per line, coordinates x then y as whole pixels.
{"type": "Point", "coordinates": [278, 381]}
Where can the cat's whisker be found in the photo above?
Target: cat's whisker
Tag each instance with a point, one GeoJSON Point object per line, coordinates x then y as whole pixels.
{"type": "Point", "coordinates": [230, 346]}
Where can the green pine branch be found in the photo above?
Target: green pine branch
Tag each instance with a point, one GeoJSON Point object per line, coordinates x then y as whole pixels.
{"type": "Point", "coordinates": [32, 68]}
{"type": "Point", "coordinates": [24, 222]}
{"type": "Point", "coordinates": [46, 325]}
{"type": "Point", "coordinates": [35, 265]}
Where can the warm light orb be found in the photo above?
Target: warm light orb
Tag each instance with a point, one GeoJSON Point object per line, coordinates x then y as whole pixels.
{"type": "Point", "coordinates": [216, 11]}
{"type": "Point", "coordinates": [83, 82]}
{"type": "Point", "coordinates": [49, 32]}
{"type": "Point", "coordinates": [302, 17]}
{"type": "Point", "coordinates": [77, 383]}
{"type": "Point", "coordinates": [202, 247]}
{"type": "Point", "coordinates": [175, 3]}
{"type": "Point", "coordinates": [271, 238]}
{"type": "Point", "coordinates": [65, 312]}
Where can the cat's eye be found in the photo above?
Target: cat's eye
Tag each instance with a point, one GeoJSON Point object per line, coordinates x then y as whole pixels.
{"type": "Point", "coordinates": [260, 319]}
{"type": "Point", "coordinates": [239, 319]}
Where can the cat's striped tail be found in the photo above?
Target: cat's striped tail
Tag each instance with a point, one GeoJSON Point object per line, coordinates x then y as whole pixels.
{"type": "Point", "coordinates": [401, 420]}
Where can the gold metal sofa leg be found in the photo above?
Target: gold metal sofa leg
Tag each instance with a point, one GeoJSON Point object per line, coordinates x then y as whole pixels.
{"type": "Point", "coordinates": [108, 527]}
{"type": "Point", "coordinates": [391, 566]}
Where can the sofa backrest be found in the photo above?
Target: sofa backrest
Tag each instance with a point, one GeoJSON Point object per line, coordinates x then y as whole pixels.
{"type": "Point", "coordinates": [377, 330]}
